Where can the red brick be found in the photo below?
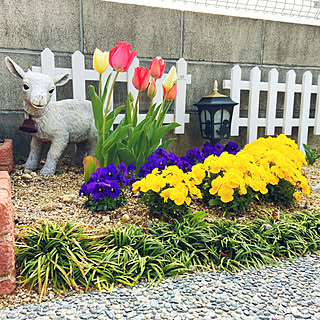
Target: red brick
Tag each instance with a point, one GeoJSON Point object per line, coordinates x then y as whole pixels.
{"type": "Point", "coordinates": [7, 286]}
{"type": "Point", "coordinates": [6, 156]}
{"type": "Point", "coordinates": [6, 258]}
{"type": "Point", "coordinates": [6, 214]}
{"type": "Point", "coordinates": [5, 183]}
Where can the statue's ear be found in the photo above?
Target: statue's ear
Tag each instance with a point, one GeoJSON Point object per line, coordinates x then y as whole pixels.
{"type": "Point", "coordinates": [61, 79]}
{"type": "Point", "coordinates": [14, 68]}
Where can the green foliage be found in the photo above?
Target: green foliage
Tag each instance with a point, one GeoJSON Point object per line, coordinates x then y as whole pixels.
{"type": "Point", "coordinates": [159, 208]}
{"type": "Point", "coordinates": [311, 155]}
{"type": "Point", "coordinates": [70, 256]}
{"type": "Point", "coordinates": [281, 194]}
{"type": "Point", "coordinates": [105, 204]}
{"type": "Point", "coordinates": [129, 141]}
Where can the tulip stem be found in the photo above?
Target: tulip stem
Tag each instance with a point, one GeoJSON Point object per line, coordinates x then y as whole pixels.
{"type": "Point", "coordinates": [107, 107]}
{"type": "Point", "coordinates": [163, 102]}
{"type": "Point", "coordinates": [136, 106]}
{"type": "Point", "coordinates": [100, 85]}
{"type": "Point", "coordinates": [150, 105]}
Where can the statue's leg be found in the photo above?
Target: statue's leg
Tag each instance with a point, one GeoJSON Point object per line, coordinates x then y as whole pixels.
{"type": "Point", "coordinates": [32, 163]}
{"type": "Point", "coordinates": [81, 152]}
{"type": "Point", "coordinates": [92, 140]}
{"type": "Point", "coordinates": [56, 149]}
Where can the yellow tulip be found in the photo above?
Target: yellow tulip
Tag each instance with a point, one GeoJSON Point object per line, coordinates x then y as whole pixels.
{"type": "Point", "coordinates": [171, 79]}
{"type": "Point", "coordinates": [100, 61]}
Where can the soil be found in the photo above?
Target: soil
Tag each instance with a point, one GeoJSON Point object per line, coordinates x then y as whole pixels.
{"type": "Point", "coordinates": [55, 198]}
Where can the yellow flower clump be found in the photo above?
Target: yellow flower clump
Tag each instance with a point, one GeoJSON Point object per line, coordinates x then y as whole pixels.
{"type": "Point", "coordinates": [260, 163]}
{"type": "Point", "coordinates": [172, 183]}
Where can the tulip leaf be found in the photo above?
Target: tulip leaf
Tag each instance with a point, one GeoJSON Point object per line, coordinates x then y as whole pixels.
{"type": "Point", "coordinates": [111, 117]}
{"type": "Point", "coordinates": [90, 165]}
{"type": "Point", "coordinates": [105, 90]}
{"type": "Point", "coordinates": [125, 155]}
{"type": "Point", "coordinates": [164, 144]}
{"type": "Point", "coordinates": [97, 108]}
{"type": "Point", "coordinates": [163, 113]}
{"type": "Point", "coordinates": [98, 151]}
{"type": "Point", "coordinates": [162, 131]}
{"type": "Point", "coordinates": [118, 134]}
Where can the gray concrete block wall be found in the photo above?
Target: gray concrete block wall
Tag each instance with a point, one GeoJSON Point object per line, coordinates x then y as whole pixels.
{"type": "Point", "coordinates": [211, 44]}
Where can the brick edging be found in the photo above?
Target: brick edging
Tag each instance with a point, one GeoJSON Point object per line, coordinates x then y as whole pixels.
{"type": "Point", "coordinates": [7, 257]}
{"type": "Point", "coordinates": [6, 155]}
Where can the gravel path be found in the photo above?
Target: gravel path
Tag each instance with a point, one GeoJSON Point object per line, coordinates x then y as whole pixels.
{"type": "Point", "coordinates": [289, 291]}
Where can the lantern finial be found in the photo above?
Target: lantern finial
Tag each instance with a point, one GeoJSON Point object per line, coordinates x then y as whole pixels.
{"type": "Point", "coordinates": [215, 91]}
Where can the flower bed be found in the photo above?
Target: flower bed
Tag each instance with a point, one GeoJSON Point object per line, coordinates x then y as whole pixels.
{"type": "Point", "coordinates": [260, 215]}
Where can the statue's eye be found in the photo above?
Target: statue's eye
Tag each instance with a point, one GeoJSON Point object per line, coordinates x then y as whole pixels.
{"type": "Point", "coordinates": [26, 87]}
{"type": "Point", "coordinates": [51, 90]}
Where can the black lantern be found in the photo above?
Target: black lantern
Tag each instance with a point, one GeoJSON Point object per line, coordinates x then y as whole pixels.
{"type": "Point", "coordinates": [215, 115]}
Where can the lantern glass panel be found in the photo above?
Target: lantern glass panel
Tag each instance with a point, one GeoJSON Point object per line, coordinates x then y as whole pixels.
{"type": "Point", "coordinates": [221, 124]}
{"type": "Point", "coordinates": [206, 126]}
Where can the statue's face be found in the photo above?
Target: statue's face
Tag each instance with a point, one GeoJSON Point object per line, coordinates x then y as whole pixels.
{"type": "Point", "coordinates": [37, 89]}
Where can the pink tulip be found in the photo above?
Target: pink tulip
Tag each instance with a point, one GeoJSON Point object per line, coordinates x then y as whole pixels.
{"type": "Point", "coordinates": [172, 93]}
{"type": "Point", "coordinates": [152, 90]}
{"type": "Point", "coordinates": [157, 68]}
{"type": "Point", "coordinates": [141, 78]}
{"type": "Point", "coordinates": [120, 57]}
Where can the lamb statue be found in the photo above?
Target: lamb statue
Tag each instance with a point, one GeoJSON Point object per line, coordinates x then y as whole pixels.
{"type": "Point", "coordinates": [58, 122]}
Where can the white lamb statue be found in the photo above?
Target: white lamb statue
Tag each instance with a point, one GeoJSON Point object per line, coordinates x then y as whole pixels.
{"type": "Point", "coordinates": [58, 122]}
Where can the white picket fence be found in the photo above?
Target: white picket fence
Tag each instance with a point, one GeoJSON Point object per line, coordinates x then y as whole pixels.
{"type": "Point", "coordinates": [290, 87]}
{"type": "Point", "coordinates": [79, 75]}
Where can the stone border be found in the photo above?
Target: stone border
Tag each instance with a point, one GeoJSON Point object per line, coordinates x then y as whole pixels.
{"type": "Point", "coordinates": [6, 156]}
{"type": "Point", "coordinates": [7, 257]}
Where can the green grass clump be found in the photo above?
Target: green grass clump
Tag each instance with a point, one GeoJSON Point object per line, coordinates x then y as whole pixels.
{"type": "Point", "coordinates": [71, 256]}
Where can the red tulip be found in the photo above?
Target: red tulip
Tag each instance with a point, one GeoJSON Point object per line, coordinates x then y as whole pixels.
{"type": "Point", "coordinates": [120, 57]}
{"type": "Point", "coordinates": [141, 78]}
{"type": "Point", "coordinates": [157, 68]}
{"type": "Point", "coordinates": [152, 90]}
{"type": "Point", "coordinates": [172, 93]}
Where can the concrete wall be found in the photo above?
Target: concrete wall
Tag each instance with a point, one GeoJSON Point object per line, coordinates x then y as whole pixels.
{"type": "Point", "coordinates": [211, 44]}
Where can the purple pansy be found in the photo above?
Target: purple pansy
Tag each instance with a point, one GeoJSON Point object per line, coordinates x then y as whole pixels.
{"type": "Point", "coordinates": [98, 190]}
{"type": "Point", "coordinates": [231, 147]}
{"type": "Point", "coordinates": [110, 172]}
{"type": "Point", "coordinates": [114, 190]}
{"type": "Point", "coordinates": [218, 149]}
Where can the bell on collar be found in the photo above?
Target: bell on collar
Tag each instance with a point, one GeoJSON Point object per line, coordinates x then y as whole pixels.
{"type": "Point", "coordinates": [28, 126]}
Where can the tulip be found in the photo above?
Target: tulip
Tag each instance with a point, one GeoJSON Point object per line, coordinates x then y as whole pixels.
{"type": "Point", "coordinates": [157, 67]}
{"type": "Point", "coordinates": [171, 78]}
{"type": "Point", "coordinates": [152, 90]}
{"type": "Point", "coordinates": [172, 93]}
{"type": "Point", "coordinates": [100, 61]}
{"type": "Point", "coordinates": [120, 57]}
{"type": "Point", "coordinates": [141, 78]}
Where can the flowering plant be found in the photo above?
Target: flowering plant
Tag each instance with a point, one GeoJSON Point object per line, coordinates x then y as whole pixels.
{"type": "Point", "coordinates": [105, 187]}
{"type": "Point", "coordinates": [161, 158]}
{"type": "Point", "coordinates": [130, 142]}
{"type": "Point", "coordinates": [269, 169]}
{"type": "Point", "coordinates": [169, 192]}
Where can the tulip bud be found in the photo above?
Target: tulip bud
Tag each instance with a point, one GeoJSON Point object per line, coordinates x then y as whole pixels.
{"type": "Point", "coordinates": [131, 97]}
{"type": "Point", "coordinates": [152, 90]}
